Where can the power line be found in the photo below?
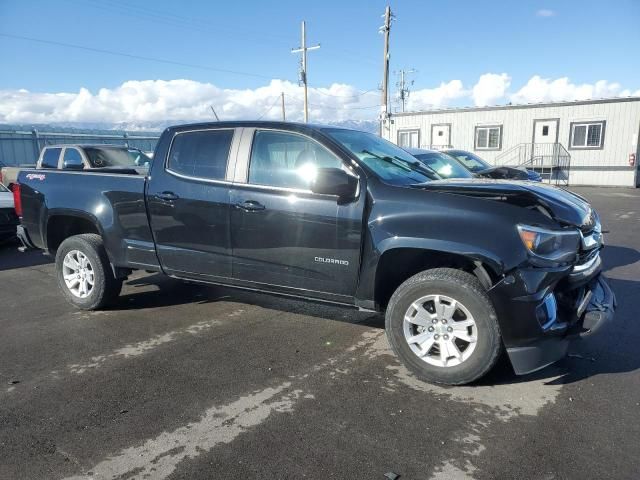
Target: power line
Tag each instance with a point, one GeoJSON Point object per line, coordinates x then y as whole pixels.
{"type": "Point", "coordinates": [270, 108]}
{"type": "Point", "coordinates": [331, 107]}
{"type": "Point", "coordinates": [137, 57]}
{"type": "Point", "coordinates": [156, 15]}
{"type": "Point", "coordinates": [343, 96]}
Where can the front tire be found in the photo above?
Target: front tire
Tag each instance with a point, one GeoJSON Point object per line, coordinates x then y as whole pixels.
{"type": "Point", "coordinates": [84, 273]}
{"type": "Point", "coordinates": [443, 327]}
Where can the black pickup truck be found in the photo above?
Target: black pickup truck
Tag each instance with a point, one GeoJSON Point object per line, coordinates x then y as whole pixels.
{"type": "Point", "coordinates": [463, 268]}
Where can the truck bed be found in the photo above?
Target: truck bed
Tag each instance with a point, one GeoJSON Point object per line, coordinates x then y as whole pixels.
{"type": "Point", "coordinates": [119, 208]}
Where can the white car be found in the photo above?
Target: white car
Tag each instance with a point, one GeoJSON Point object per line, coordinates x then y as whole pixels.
{"type": "Point", "coordinates": [8, 217]}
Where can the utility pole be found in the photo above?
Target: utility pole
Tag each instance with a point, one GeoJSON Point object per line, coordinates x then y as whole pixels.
{"type": "Point", "coordinates": [384, 104]}
{"type": "Point", "coordinates": [303, 67]}
{"type": "Point", "coordinates": [284, 116]}
{"type": "Point", "coordinates": [403, 87]}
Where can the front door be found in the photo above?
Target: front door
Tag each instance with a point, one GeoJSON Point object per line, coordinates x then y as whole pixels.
{"type": "Point", "coordinates": [545, 131]}
{"type": "Point", "coordinates": [189, 205]}
{"type": "Point", "coordinates": [282, 233]}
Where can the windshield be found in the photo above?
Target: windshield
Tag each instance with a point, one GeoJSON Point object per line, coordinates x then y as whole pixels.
{"type": "Point", "coordinates": [391, 163]}
{"type": "Point", "coordinates": [100, 157]}
{"type": "Point", "coordinates": [445, 165]}
{"type": "Point", "coordinates": [469, 160]}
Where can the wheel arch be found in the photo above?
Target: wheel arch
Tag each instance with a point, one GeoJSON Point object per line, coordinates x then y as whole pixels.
{"type": "Point", "coordinates": [398, 263]}
{"type": "Point", "coordinates": [62, 224]}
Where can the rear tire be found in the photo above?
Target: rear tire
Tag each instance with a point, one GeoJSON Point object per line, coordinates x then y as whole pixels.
{"type": "Point", "coordinates": [443, 327]}
{"type": "Point", "coordinates": [84, 273]}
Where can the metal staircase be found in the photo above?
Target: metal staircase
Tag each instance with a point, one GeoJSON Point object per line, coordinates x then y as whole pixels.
{"type": "Point", "coordinates": [551, 160]}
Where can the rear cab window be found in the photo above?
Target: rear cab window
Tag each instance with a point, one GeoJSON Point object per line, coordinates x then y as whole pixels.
{"type": "Point", "coordinates": [50, 158]}
{"type": "Point", "coordinates": [201, 154]}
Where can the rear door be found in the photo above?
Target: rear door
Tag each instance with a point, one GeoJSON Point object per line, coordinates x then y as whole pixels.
{"type": "Point", "coordinates": [283, 234]}
{"type": "Point", "coordinates": [189, 203]}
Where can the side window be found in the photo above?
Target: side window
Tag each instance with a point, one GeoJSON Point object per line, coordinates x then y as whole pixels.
{"type": "Point", "coordinates": [201, 154]}
{"type": "Point", "coordinates": [50, 158]}
{"type": "Point", "coordinates": [72, 159]}
{"type": "Point", "coordinates": [281, 159]}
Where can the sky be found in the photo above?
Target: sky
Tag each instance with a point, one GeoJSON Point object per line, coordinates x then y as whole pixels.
{"type": "Point", "coordinates": [173, 60]}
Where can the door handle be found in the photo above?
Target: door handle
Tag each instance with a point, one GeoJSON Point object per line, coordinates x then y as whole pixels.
{"type": "Point", "coordinates": [250, 206]}
{"type": "Point", "coordinates": [166, 196]}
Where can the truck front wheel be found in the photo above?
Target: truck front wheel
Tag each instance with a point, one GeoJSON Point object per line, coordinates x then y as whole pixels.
{"type": "Point", "coordinates": [443, 327]}
{"type": "Point", "coordinates": [84, 273]}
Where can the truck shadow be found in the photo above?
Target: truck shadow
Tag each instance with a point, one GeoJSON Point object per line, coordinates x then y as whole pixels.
{"type": "Point", "coordinates": [613, 350]}
{"type": "Point", "coordinates": [606, 353]}
{"type": "Point", "coordinates": [11, 258]}
{"type": "Point", "coordinates": [168, 291]}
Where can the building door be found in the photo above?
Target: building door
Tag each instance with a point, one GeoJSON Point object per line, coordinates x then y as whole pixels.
{"type": "Point", "coordinates": [545, 131]}
{"type": "Point", "coordinates": [441, 136]}
{"type": "Point", "coordinates": [544, 147]}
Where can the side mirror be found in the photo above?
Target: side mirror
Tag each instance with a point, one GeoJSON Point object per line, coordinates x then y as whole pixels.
{"type": "Point", "coordinates": [334, 181]}
{"type": "Point", "coordinates": [72, 166]}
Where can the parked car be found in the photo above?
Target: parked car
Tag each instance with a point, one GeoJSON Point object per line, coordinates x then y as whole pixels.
{"type": "Point", "coordinates": [81, 156]}
{"type": "Point", "coordinates": [481, 167]}
{"type": "Point", "coordinates": [462, 268]}
{"type": "Point", "coordinates": [445, 165]}
{"type": "Point", "coordinates": [8, 218]}
{"type": "Point", "coordinates": [9, 175]}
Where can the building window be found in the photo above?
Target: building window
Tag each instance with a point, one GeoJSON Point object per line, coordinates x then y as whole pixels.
{"type": "Point", "coordinates": [489, 138]}
{"type": "Point", "coordinates": [587, 135]}
{"type": "Point", "coordinates": [409, 138]}
{"type": "Point", "coordinates": [545, 130]}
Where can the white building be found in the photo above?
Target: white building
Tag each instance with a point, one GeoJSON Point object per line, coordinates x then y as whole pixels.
{"type": "Point", "coordinates": [591, 142]}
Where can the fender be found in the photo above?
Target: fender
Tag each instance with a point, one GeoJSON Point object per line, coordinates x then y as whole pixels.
{"type": "Point", "coordinates": [365, 296]}
{"type": "Point", "coordinates": [49, 215]}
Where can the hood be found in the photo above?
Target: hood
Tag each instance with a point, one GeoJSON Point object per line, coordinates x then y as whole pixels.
{"type": "Point", "coordinates": [563, 206]}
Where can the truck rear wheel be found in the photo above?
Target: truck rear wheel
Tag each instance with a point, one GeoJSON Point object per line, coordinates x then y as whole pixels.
{"type": "Point", "coordinates": [443, 327]}
{"type": "Point", "coordinates": [84, 273]}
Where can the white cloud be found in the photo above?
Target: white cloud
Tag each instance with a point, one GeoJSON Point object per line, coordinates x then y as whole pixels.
{"type": "Point", "coordinates": [490, 89]}
{"type": "Point", "coordinates": [436, 97]}
{"type": "Point", "coordinates": [140, 101]}
{"type": "Point", "coordinates": [540, 89]}
{"type": "Point", "coordinates": [154, 100]}
{"type": "Point", "coordinates": [545, 12]}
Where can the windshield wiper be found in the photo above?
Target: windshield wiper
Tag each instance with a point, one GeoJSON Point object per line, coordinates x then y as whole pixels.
{"type": "Point", "coordinates": [407, 165]}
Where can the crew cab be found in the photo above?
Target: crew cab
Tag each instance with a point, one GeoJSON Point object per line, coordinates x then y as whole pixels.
{"type": "Point", "coordinates": [462, 268]}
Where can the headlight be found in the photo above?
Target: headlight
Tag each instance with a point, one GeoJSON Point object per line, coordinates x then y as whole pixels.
{"type": "Point", "coordinates": [554, 245]}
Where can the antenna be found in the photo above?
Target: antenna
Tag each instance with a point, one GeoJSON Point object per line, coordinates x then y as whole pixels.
{"type": "Point", "coordinates": [214, 113]}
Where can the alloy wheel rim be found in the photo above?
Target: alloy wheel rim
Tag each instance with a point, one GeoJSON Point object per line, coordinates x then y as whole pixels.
{"type": "Point", "coordinates": [78, 273]}
{"type": "Point", "coordinates": [440, 330]}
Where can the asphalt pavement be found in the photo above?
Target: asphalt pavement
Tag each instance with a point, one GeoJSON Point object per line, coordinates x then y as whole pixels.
{"type": "Point", "coordinates": [196, 382]}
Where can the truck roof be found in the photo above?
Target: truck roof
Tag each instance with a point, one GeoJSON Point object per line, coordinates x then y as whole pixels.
{"type": "Point", "coordinates": [257, 123]}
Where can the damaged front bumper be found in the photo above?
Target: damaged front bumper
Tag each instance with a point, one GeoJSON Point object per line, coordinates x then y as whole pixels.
{"type": "Point", "coordinates": [563, 304]}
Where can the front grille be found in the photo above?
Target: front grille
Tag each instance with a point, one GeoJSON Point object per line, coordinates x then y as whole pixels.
{"type": "Point", "coordinates": [584, 257]}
